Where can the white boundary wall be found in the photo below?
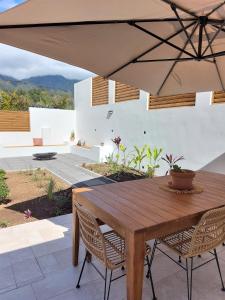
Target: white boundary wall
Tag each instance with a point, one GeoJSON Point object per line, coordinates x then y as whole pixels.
{"type": "Point", "coordinates": [53, 125]}
{"type": "Point", "coordinates": [197, 132]}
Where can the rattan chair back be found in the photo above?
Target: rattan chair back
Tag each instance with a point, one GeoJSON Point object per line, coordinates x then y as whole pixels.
{"type": "Point", "coordinates": [209, 233]}
{"type": "Point", "coordinates": [91, 233]}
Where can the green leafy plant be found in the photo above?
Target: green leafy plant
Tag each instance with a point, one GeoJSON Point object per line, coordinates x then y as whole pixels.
{"type": "Point", "coordinates": [2, 174]}
{"type": "Point", "coordinates": [125, 157]}
{"type": "Point", "coordinates": [50, 189]}
{"type": "Point", "coordinates": [4, 191]}
{"type": "Point", "coordinates": [172, 162]}
{"type": "Point", "coordinates": [139, 156]}
{"type": "Point", "coordinates": [153, 156]}
{"type": "Point", "coordinates": [109, 158]}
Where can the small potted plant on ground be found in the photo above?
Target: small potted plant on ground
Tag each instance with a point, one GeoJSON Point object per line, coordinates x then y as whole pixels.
{"type": "Point", "coordinates": [72, 136]}
{"type": "Point", "coordinates": [181, 179]}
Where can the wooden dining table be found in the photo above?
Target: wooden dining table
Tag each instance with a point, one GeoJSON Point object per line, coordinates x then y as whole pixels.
{"type": "Point", "coordinates": [142, 210]}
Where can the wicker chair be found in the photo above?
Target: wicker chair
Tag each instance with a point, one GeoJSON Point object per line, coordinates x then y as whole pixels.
{"type": "Point", "coordinates": [206, 236]}
{"type": "Point", "coordinates": [108, 247]}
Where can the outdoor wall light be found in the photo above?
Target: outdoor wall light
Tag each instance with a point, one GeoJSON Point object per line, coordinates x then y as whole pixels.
{"type": "Point", "coordinates": [109, 114]}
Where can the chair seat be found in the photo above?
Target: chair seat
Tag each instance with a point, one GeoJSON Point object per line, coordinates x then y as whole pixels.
{"type": "Point", "coordinates": [116, 251]}
{"type": "Point", "coordinates": [179, 242]}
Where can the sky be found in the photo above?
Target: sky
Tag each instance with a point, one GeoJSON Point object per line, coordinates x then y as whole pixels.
{"type": "Point", "coordinates": [23, 64]}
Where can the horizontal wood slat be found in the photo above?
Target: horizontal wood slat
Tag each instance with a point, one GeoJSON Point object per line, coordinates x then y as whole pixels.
{"type": "Point", "coordinates": [126, 92]}
{"type": "Point", "coordinates": [156, 102]}
{"type": "Point", "coordinates": [100, 91]}
{"type": "Point", "coordinates": [14, 120]}
{"type": "Point", "coordinates": [218, 97]}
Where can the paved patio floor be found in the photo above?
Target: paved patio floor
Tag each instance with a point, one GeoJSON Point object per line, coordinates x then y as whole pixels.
{"type": "Point", "coordinates": [67, 166]}
{"type": "Point", "coordinates": [35, 263]}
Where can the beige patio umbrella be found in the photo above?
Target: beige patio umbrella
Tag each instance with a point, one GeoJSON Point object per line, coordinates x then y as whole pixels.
{"type": "Point", "coordinates": [160, 46]}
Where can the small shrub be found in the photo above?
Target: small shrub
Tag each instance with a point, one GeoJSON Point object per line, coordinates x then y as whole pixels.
{"type": "Point", "coordinates": [61, 201]}
{"type": "Point", "coordinates": [57, 212]}
{"type": "Point", "coordinates": [3, 224]}
{"type": "Point", "coordinates": [2, 173]}
{"type": "Point", "coordinates": [4, 191]}
{"type": "Point", "coordinates": [50, 189]}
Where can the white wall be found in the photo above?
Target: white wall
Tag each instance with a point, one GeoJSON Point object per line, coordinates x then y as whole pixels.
{"type": "Point", "coordinates": [55, 125]}
{"type": "Point", "coordinates": [197, 132]}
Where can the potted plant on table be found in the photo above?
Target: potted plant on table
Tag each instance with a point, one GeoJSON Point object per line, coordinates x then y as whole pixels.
{"type": "Point", "coordinates": [181, 179]}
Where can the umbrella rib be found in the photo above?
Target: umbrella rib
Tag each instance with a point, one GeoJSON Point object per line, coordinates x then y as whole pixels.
{"type": "Point", "coordinates": [174, 64]}
{"type": "Point", "coordinates": [214, 60]}
{"type": "Point", "coordinates": [217, 54]}
{"type": "Point", "coordinates": [165, 59]}
{"type": "Point", "coordinates": [182, 25]}
{"type": "Point", "coordinates": [180, 8]}
{"type": "Point", "coordinates": [215, 26]}
{"type": "Point", "coordinates": [213, 38]}
{"type": "Point", "coordinates": [100, 22]}
{"type": "Point", "coordinates": [147, 51]}
{"type": "Point", "coordinates": [215, 8]}
{"type": "Point", "coordinates": [161, 39]}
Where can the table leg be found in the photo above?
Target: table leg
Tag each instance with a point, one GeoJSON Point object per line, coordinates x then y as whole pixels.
{"type": "Point", "coordinates": [76, 237]}
{"type": "Point", "coordinates": [135, 244]}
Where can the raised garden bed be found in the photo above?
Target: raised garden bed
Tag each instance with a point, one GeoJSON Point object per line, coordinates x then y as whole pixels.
{"type": "Point", "coordinates": [36, 191]}
{"type": "Point", "coordinates": [118, 175]}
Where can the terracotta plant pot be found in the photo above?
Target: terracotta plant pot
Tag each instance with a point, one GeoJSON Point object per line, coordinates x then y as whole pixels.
{"type": "Point", "coordinates": [37, 141]}
{"type": "Point", "coordinates": [182, 180]}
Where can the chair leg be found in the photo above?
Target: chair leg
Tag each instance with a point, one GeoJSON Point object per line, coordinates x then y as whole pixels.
{"type": "Point", "coordinates": [152, 285]}
{"type": "Point", "coordinates": [189, 272]}
{"type": "Point", "coordinates": [81, 272]}
{"type": "Point", "coordinates": [151, 259]}
{"type": "Point", "coordinates": [179, 260]}
{"type": "Point", "coordinates": [218, 265]}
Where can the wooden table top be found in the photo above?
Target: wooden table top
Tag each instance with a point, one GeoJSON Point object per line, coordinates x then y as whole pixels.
{"type": "Point", "coordinates": [142, 204]}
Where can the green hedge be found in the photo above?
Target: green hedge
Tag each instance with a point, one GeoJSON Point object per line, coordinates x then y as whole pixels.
{"type": "Point", "coordinates": [4, 190]}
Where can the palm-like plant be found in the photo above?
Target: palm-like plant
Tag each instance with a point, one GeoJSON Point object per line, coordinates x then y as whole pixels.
{"type": "Point", "coordinates": [139, 156]}
{"type": "Point", "coordinates": [153, 156]}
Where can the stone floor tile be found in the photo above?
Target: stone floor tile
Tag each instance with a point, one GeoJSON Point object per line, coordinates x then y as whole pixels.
{"type": "Point", "coordinates": [23, 293]}
{"type": "Point", "coordinates": [7, 280]}
{"type": "Point", "coordinates": [48, 264]}
{"type": "Point", "coordinates": [27, 271]}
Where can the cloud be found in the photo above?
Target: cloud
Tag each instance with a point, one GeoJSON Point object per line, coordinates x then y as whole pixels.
{"type": "Point", "coordinates": [23, 64]}
{"type": "Point", "coordinates": [6, 4]}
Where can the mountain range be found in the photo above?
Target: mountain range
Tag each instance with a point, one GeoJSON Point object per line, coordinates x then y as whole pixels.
{"type": "Point", "coordinates": [49, 82]}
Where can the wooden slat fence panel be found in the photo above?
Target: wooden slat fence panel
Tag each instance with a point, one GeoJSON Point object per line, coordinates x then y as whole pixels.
{"type": "Point", "coordinates": [126, 92]}
{"type": "Point", "coordinates": [156, 102]}
{"type": "Point", "coordinates": [14, 120]}
{"type": "Point", "coordinates": [100, 91]}
{"type": "Point", "coordinates": [218, 97]}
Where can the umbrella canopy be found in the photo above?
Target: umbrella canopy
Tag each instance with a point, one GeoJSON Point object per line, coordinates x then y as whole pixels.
{"type": "Point", "coordinates": [160, 46]}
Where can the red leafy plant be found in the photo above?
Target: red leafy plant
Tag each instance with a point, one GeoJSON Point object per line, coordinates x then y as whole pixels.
{"type": "Point", "coordinates": [27, 214]}
{"type": "Point", "coordinates": [117, 141]}
{"type": "Point", "coordinates": [171, 161]}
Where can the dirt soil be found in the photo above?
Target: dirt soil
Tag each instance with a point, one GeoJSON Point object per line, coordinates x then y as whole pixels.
{"type": "Point", "coordinates": [29, 190]}
{"type": "Point", "coordinates": [104, 169]}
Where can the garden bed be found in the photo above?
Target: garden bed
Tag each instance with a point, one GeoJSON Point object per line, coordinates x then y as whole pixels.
{"type": "Point", "coordinates": [38, 192]}
{"type": "Point", "coordinates": [116, 174]}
